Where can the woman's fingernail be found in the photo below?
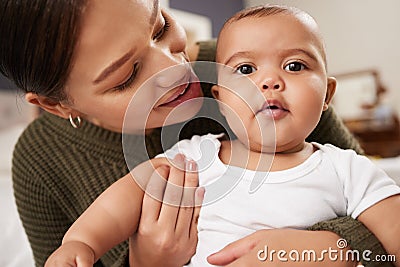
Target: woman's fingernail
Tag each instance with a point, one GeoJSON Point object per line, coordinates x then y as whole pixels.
{"type": "Point", "coordinates": [165, 168]}
{"type": "Point", "coordinates": [191, 165]}
{"type": "Point", "coordinates": [200, 191]}
{"type": "Point", "coordinates": [179, 158]}
{"type": "Point", "coordinates": [179, 162]}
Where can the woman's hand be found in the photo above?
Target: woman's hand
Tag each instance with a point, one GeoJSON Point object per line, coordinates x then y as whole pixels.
{"type": "Point", "coordinates": [256, 249]}
{"type": "Point", "coordinates": [167, 233]}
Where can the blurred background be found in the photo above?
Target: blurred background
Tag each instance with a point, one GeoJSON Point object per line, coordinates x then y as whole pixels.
{"type": "Point", "coordinates": [362, 40]}
{"type": "Point", "coordinates": [361, 37]}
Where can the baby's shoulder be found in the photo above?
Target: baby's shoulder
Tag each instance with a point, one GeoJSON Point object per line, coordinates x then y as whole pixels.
{"type": "Point", "coordinates": [195, 147]}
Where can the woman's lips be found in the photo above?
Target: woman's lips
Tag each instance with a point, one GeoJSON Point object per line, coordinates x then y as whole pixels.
{"type": "Point", "coordinates": [180, 90]}
{"type": "Point", "coordinates": [183, 93]}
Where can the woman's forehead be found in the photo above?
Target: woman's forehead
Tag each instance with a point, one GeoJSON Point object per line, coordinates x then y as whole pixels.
{"type": "Point", "coordinates": [102, 12]}
{"type": "Point", "coordinates": [110, 29]}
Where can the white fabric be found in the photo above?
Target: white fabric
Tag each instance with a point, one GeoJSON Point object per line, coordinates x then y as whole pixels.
{"type": "Point", "coordinates": [391, 166]}
{"type": "Point", "coordinates": [332, 182]}
{"type": "Point", "coordinates": [14, 246]}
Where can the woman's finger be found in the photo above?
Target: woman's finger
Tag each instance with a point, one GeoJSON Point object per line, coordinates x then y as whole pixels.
{"type": "Point", "coordinates": [187, 205]}
{"type": "Point", "coordinates": [199, 197]}
{"type": "Point", "coordinates": [154, 194]}
{"type": "Point", "coordinates": [173, 193]}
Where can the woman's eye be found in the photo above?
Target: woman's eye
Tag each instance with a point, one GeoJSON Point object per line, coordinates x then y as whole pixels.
{"type": "Point", "coordinates": [129, 81]}
{"type": "Point", "coordinates": [245, 69]}
{"type": "Point", "coordinates": [162, 31]}
{"type": "Point", "coordinates": [295, 66]}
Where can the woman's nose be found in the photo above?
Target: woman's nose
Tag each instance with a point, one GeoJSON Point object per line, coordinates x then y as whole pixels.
{"type": "Point", "coordinates": [174, 75]}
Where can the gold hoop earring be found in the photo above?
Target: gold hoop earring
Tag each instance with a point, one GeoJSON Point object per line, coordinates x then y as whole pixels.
{"type": "Point", "coordinates": [76, 123]}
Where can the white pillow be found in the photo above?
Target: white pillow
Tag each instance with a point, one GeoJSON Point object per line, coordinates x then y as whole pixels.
{"type": "Point", "coordinates": [14, 246]}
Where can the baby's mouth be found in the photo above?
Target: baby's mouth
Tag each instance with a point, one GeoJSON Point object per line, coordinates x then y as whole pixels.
{"type": "Point", "coordinates": [274, 109]}
{"type": "Point", "coordinates": [272, 104]}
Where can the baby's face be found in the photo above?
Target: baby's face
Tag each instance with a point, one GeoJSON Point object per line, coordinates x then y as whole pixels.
{"type": "Point", "coordinates": [276, 76]}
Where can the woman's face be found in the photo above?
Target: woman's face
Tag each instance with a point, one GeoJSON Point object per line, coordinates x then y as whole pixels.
{"type": "Point", "coordinates": [122, 44]}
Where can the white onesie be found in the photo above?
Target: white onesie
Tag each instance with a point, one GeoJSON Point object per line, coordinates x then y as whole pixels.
{"type": "Point", "coordinates": [332, 182]}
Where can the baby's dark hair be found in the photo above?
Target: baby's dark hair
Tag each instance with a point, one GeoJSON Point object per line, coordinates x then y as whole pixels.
{"type": "Point", "coordinates": [271, 10]}
{"type": "Point", "coordinates": [38, 39]}
{"type": "Point", "coordinates": [263, 11]}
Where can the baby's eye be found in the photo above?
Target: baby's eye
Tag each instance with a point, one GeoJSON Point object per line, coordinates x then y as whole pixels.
{"type": "Point", "coordinates": [295, 66]}
{"type": "Point", "coordinates": [245, 69]}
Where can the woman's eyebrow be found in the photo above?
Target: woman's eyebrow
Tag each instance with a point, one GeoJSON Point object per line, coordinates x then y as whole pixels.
{"type": "Point", "coordinates": [118, 63]}
{"type": "Point", "coordinates": [113, 67]}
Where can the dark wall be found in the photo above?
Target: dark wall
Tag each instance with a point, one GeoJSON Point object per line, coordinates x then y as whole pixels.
{"type": "Point", "coordinates": [217, 10]}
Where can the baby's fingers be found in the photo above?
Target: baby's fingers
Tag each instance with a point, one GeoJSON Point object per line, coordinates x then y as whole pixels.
{"type": "Point", "coordinates": [84, 261]}
{"type": "Point", "coordinates": [71, 254]}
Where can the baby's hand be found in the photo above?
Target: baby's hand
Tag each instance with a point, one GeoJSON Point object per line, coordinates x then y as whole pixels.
{"type": "Point", "coordinates": [71, 254]}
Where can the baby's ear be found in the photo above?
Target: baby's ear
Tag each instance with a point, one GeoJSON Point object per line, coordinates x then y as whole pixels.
{"type": "Point", "coordinates": [215, 91]}
{"type": "Point", "coordinates": [330, 91]}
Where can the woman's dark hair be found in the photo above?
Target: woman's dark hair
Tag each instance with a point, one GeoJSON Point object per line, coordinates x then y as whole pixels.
{"type": "Point", "coordinates": [37, 41]}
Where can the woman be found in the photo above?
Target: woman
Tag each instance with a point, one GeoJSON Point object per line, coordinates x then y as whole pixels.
{"type": "Point", "coordinates": [81, 62]}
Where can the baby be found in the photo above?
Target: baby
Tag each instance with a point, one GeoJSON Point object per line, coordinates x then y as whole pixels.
{"type": "Point", "coordinates": [272, 88]}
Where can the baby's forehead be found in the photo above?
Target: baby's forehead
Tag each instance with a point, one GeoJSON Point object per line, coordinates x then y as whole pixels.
{"type": "Point", "coordinates": [295, 16]}
{"type": "Point", "coordinates": [302, 19]}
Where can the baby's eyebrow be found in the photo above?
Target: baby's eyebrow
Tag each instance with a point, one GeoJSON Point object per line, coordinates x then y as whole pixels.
{"type": "Point", "coordinates": [240, 54]}
{"type": "Point", "coordinates": [299, 51]}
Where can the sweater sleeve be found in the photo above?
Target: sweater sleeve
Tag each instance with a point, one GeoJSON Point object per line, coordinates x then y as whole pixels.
{"type": "Point", "coordinates": [39, 213]}
{"type": "Point", "coordinates": [331, 129]}
{"type": "Point", "coordinates": [54, 185]}
{"type": "Point", "coordinates": [43, 221]}
{"type": "Point", "coordinates": [357, 236]}
{"type": "Point", "coordinates": [207, 50]}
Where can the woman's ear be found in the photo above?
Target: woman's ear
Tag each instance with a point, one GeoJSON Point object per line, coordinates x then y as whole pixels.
{"type": "Point", "coordinates": [52, 106]}
{"type": "Point", "coordinates": [330, 91]}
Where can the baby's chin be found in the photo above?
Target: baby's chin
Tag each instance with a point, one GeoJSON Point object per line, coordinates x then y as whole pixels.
{"type": "Point", "coordinates": [263, 148]}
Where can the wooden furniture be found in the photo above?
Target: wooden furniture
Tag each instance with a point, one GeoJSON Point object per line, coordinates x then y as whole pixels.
{"type": "Point", "coordinates": [358, 101]}
{"type": "Point", "coordinates": [377, 140]}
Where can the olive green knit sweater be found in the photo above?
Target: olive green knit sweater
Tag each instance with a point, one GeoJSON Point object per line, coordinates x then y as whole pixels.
{"type": "Point", "coordinates": [58, 171]}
